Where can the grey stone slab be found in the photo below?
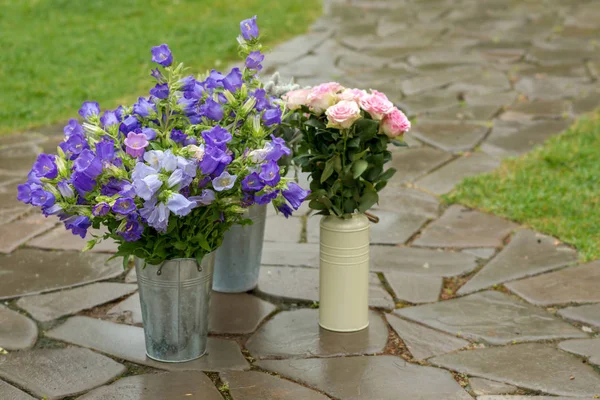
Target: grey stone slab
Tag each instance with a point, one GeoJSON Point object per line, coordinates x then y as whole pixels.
{"type": "Point", "coordinates": [536, 110]}
{"type": "Point", "coordinates": [302, 284]}
{"type": "Point", "coordinates": [127, 342]}
{"type": "Point", "coordinates": [281, 229]}
{"type": "Point", "coordinates": [423, 342]}
{"type": "Point", "coordinates": [421, 261]}
{"type": "Point", "coordinates": [230, 313]}
{"type": "Point", "coordinates": [510, 138]}
{"type": "Point", "coordinates": [415, 288]}
{"type": "Point", "coordinates": [571, 285]}
{"type": "Point", "coordinates": [494, 99]}
{"type": "Point", "coordinates": [484, 253]}
{"type": "Point", "coordinates": [169, 385]}
{"type": "Point", "coordinates": [483, 386]}
{"type": "Point", "coordinates": [441, 58]}
{"type": "Point", "coordinates": [61, 239]}
{"type": "Point", "coordinates": [443, 180]}
{"type": "Point", "coordinates": [409, 201]}
{"type": "Point", "coordinates": [493, 317]}
{"type": "Point", "coordinates": [588, 348]}
{"type": "Point", "coordinates": [253, 385]}
{"type": "Point", "coordinates": [551, 88]}
{"type": "Point", "coordinates": [20, 139]}
{"type": "Point", "coordinates": [14, 234]}
{"type": "Point", "coordinates": [29, 272]}
{"type": "Point", "coordinates": [484, 82]}
{"type": "Point", "coordinates": [18, 159]}
{"type": "Point", "coordinates": [290, 254]}
{"type": "Point", "coordinates": [57, 373]}
{"type": "Point", "coordinates": [588, 314]}
{"type": "Point", "coordinates": [131, 276]}
{"type": "Point", "coordinates": [392, 228]}
{"type": "Point", "coordinates": [9, 392]}
{"type": "Point", "coordinates": [17, 332]}
{"type": "Point", "coordinates": [430, 102]}
{"type": "Point", "coordinates": [530, 398]}
{"type": "Point", "coordinates": [425, 83]}
{"type": "Point", "coordinates": [463, 112]}
{"type": "Point", "coordinates": [293, 49]}
{"type": "Point", "coordinates": [559, 374]}
{"type": "Point", "coordinates": [450, 136]}
{"type": "Point", "coordinates": [297, 333]}
{"type": "Point", "coordinates": [412, 163]}
{"type": "Point", "coordinates": [50, 306]}
{"type": "Point", "coordinates": [528, 253]}
{"type": "Point", "coordinates": [587, 103]}
{"type": "Point", "coordinates": [369, 378]}
{"type": "Point", "coordinates": [462, 228]}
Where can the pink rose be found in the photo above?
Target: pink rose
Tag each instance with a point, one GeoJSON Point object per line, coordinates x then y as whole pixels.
{"type": "Point", "coordinates": [323, 96]}
{"type": "Point", "coordinates": [395, 124]}
{"type": "Point", "coordinates": [376, 104]}
{"type": "Point", "coordinates": [352, 94]}
{"type": "Point", "coordinates": [296, 98]}
{"type": "Point", "coordinates": [343, 114]}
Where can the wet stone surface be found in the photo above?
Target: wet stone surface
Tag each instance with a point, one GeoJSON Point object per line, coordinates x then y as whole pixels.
{"type": "Point", "coordinates": [17, 332]}
{"type": "Point", "coordinates": [252, 385]}
{"type": "Point", "coordinates": [61, 239]}
{"type": "Point", "coordinates": [411, 164]}
{"type": "Point", "coordinates": [415, 288]}
{"type": "Point", "coordinates": [482, 386]}
{"type": "Point", "coordinates": [588, 314]}
{"type": "Point", "coordinates": [451, 137]}
{"type": "Point", "coordinates": [588, 348]}
{"type": "Point", "coordinates": [15, 233]}
{"type": "Point", "coordinates": [10, 392]}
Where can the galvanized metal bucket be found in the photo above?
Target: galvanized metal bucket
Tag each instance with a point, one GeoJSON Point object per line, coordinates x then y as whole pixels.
{"type": "Point", "coordinates": [237, 262]}
{"type": "Point", "coordinates": [175, 298]}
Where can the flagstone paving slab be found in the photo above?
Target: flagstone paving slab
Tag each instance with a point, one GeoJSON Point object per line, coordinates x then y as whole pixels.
{"type": "Point", "coordinates": [460, 227]}
{"type": "Point", "coordinates": [531, 398]}
{"type": "Point", "coordinates": [61, 239]}
{"type": "Point", "coordinates": [281, 229]}
{"type": "Point", "coordinates": [169, 385]}
{"type": "Point", "coordinates": [571, 285]}
{"type": "Point", "coordinates": [9, 392]}
{"type": "Point", "coordinates": [298, 334]}
{"type": "Point", "coordinates": [127, 342]}
{"type": "Point", "coordinates": [50, 306]}
{"type": "Point", "coordinates": [588, 348]}
{"type": "Point", "coordinates": [410, 201]}
{"type": "Point", "coordinates": [368, 378]}
{"type": "Point", "coordinates": [412, 163]}
{"type": "Point", "coordinates": [415, 288]}
{"type": "Point", "coordinates": [423, 342]}
{"type": "Point", "coordinates": [483, 386]}
{"type": "Point", "coordinates": [559, 374]}
{"type": "Point", "coordinates": [302, 284]}
{"type": "Point", "coordinates": [17, 332]}
{"type": "Point", "coordinates": [443, 180]}
{"type": "Point", "coordinates": [290, 254]}
{"type": "Point", "coordinates": [493, 317]}
{"type": "Point", "coordinates": [254, 385]}
{"type": "Point", "coordinates": [230, 313]}
{"type": "Point", "coordinates": [481, 253]}
{"type": "Point", "coordinates": [421, 261]}
{"type": "Point", "coordinates": [528, 253]}
{"type": "Point", "coordinates": [588, 314]}
{"type": "Point", "coordinates": [57, 373]}
{"type": "Point", "coordinates": [29, 272]}
{"type": "Point", "coordinates": [536, 110]}
{"type": "Point", "coordinates": [450, 136]}
{"type": "Point", "coordinates": [14, 234]}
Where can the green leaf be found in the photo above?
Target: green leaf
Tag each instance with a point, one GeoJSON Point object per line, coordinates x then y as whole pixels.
{"type": "Point", "coordinates": [90, 245]}
{"type": "Point", "coordinates": [387, 174]}
{"type": "Point", "coordinates": [353, 143]}
{"type": "Point", "coordinates": [203, 242]}
{"type": "Point", "coordinates": [315, 123]}
{"type": "Point", "coordinates": [359, 167]}
{"type": "Point", "coordinates": [317, 205]}
{"type": "Point", "coordinates": [399, 143]}
{"type": "Point", "coordinates": [366, 129]}
{"type": "Point", "coordinates": [367, 200]}
{"type": "Point", "coordinates": [357, 156]}
{"type": "Point", "coordinates": [328, 169]}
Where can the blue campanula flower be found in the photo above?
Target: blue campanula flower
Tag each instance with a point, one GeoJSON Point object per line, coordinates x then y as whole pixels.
{"type": "Point", "coordinates": [150, 133]}
{"type": "Point", "coordinates": [189, 167]}
{"type": "Point", "coordinates": [157, 215]}
{"type": "Point", "coordinates": [266, 198]}
{"type": "Point", "coordinates": [109, 118]}
{"type": "Point", "coordinates": [162, 55]}
{"type": "Point", "coordinates": [51, 210]}
{"type": "Point", "coordinates": [160, 91]}
{"type": "Point", "coordinates": [147, 186]}
{"type": "Point", "coordinates": [177, 136]}
{"type": "Point", "coordinates": [45, 166]}
{"type": "Point", "coordinates": [217, 136]}
{"type": "Point", "coordinates": [168, 161]}
{"type": "Point", "coordinates": [100, 209]}
{"type": "Point", "coordinates": [225, 181]}
{"type": "Point", "coordinates": [135, 144]}
{"type": "Point", "coordinates": [144, 107]}
{"type": "Point", "coordinates": [254, 59]}
{"type": "Point", "coordinates": [82, 183]}
{"type": "Point", "coordinates": [78, 224]}
{"type": "Point", "coordinates": [196, 92]}
{"type": "Point", "coordinates": [277, 149]}
{"type": "Point", "coordinates": [129, 124]}
{"type": "Point", "coordinates": [249, 28]}
{"type": "Point", "coordinates": [176, 178]}
{"type": "Point", "coordinates": [120, 113]}
{"type": "Point", "coordinates": [88, 164]}
{"type": "Point", "coordinates": [65, 189]}
{"type": "Point", "coordinates": [105, 150]}
{"type": "Point", "coordinates": [73, 127]}
{"type": "Point", "coordinates": [285, 210]}
{"type": "Point", "coordinates": [133, 229]}
{"type": "Point", "coordinates": [262, 102]}
{"type": "Point", "coordinates": [124, 205]}
{"type": "Point", "coordinates": [42, 198]}
{"type": "Point", "coordinates": [247, 200]}
{"type": "Point", "coordinates": [187, 83]}
{"type": "Point", "coordinates": [74, 145]}
{"type": "Point", "coordinates": [142, 170]}
{"type": "Point", "coordinates": [212, 110]}
{"type": "Point", "coordinates": [269, 173]}
{"type": "Point", "coordinates": [214, 161]}
{"type": "Point", "coordinates": [24, 193]}
{"type": "Point", "coordinates": [154, 158]}
{"type": "Point", "coordinates": [180, 205]}
{"type": "Point", "coordinates": [295, 195]}
{"type": "Point", "coordinates": [272, 116]}
{"type": "Point", "coordinates": [233, 80]}
{"type": "Point", "coordinates": [89, 109]}
{"type": "Point", "coordinates": [252, 183]}
{"type": "Point", "coordinates": [156, 74]}
{"type": "Point", "coordinates": [190, 140]}
{"type": "Point", "coordinates": [214, 80]}
{"type": "Point", "coordinates": [206, 198]}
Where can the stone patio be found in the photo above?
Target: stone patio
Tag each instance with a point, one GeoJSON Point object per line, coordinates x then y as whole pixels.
{"type": "Point", "coordinates": [465, 305]}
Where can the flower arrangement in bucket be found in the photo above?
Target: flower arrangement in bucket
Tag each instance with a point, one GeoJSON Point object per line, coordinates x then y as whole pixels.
{"type": "Point", "coordinates": [166, 179]}
{"type": "Point", "coordinates": [344, 147]}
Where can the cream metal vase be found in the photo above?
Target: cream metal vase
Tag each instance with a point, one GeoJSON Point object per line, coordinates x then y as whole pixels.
{"type": "Point", "coordinates": [344, 273]}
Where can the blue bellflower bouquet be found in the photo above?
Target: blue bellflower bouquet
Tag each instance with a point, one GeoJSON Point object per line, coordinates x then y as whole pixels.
{"type": "Point", "coordinates": [170, 175]}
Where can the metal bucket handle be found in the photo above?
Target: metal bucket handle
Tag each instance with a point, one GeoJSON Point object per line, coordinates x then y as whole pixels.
{"type": "Point", "coordinates": [159, 270]}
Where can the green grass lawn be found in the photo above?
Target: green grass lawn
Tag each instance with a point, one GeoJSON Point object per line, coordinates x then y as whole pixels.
{"type": "Point", "coordinates": [58, 53]}
{"type": "Point", "coordinates": [555, 189]}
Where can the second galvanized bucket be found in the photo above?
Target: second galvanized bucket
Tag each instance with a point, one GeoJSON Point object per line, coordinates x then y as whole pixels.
{"type": "Point", "coordinates": [237, 263]}
{"type": "Point", "coordinates": [175, 299]}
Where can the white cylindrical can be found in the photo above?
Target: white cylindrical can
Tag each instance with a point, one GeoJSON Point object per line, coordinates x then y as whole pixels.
{"type": "Point", "coordinates": [344, 273]}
